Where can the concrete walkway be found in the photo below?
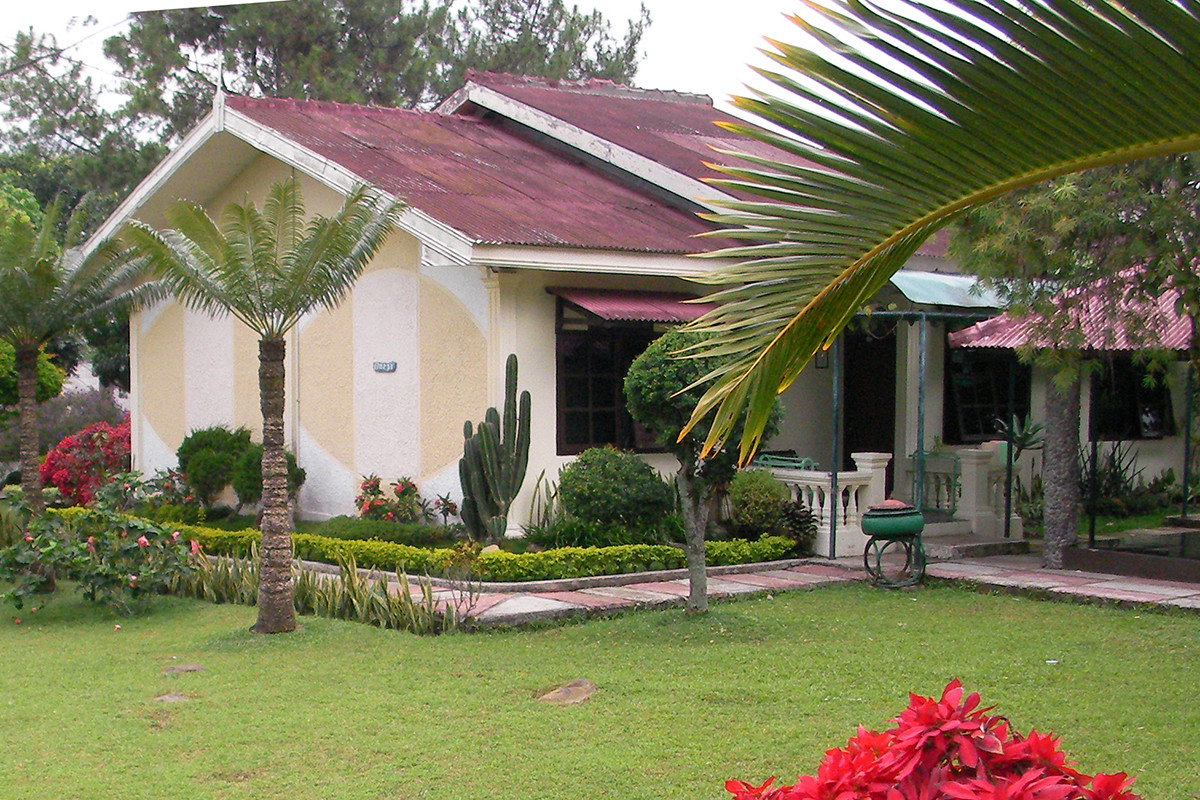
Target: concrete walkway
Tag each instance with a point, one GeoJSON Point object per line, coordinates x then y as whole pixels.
{"type": "Point", "coordinates": [518, 604]}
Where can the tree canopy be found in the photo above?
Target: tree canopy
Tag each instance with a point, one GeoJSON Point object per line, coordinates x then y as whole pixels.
{"type": "Point", "coordinates": [401, 53]}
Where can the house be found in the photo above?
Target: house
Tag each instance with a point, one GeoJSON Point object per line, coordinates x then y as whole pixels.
{"type": "Point", "coordinates": [551, 219]}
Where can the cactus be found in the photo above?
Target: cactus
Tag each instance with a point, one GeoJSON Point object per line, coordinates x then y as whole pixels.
{"type": "Point", "coordinates": [495, 455]}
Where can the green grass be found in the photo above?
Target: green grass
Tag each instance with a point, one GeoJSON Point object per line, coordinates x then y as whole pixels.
{"type": "Point", "coordinates": [1110, 525]}
{"type": "Point", "coordinates": [755, 688]}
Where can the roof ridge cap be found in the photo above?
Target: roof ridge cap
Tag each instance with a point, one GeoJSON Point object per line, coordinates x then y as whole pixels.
{"type": "Point", "coordinates": [594, 86]}
{"type": "Point", "coordinates": [292, 103]}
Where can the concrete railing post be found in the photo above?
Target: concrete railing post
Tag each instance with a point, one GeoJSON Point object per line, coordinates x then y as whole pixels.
{"type": "Point", "coordinates": [975, 504]}
{"type": "Point", "coordinates": [876, 464]}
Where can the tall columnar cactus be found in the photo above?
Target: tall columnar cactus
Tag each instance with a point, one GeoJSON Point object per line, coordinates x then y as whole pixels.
{"type": "Point", "coordinates": [495, 456]}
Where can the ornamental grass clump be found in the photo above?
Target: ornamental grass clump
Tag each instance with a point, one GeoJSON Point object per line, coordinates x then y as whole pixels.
{"type": "Point", "coordinates": [948, 749]}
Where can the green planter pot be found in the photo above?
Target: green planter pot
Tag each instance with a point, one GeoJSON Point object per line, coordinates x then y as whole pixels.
{"type": "Point", "coordinates": [893, 523]}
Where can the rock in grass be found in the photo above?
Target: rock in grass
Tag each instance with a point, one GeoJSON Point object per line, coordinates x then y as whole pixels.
{"type": "Point", "coordinates": [173, 697]}
{"type": "Point", "coordinates": [570, 693]}
{"type": "Point", "coordinates": [176, 669]}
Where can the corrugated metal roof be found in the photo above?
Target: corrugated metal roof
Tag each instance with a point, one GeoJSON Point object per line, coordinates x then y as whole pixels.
{"type": "Point", "coordinates": [1091, 325]}
{"type": "Point", "coordinates": [675, 129]}
{"type": "Point", "coordinates": [485, 181]}
{"type": "Point", "coordinates": [631, 306]}
{"type": "Point", "coordinates": [942, 289]}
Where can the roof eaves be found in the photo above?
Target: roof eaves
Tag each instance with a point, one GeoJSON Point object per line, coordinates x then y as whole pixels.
{"type": "Point", "coordinates": [622, 158]}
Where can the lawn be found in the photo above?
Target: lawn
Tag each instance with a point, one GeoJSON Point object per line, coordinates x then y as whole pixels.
{"type": "Point", "coordinates": [755, 688]}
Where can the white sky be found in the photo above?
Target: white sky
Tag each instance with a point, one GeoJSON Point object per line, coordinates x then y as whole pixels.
{"type": "Point", "coordinates": [692, 45]}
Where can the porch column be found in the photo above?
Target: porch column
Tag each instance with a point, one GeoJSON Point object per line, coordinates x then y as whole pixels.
{"type": "Point", "coordinates": [975, 505]}
{"type": "Point", "coordinates": [875, 464]}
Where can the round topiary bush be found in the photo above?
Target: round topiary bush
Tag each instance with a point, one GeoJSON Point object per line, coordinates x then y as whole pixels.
{"type": "Point", "coordinates": [756, 501]}
{"type": "Point", "coordinates": [207, 457]}
{"type": "Point", "coordinates": [247, 475]}
{"type": "Point", "coordinates": [613, 487]}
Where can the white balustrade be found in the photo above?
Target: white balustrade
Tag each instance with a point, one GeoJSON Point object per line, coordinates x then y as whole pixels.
{"type": "Point", "coordinates": [857, 491]}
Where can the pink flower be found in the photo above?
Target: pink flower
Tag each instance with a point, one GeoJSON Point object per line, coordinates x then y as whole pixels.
{"type": "Point", "coordinates": [133, 579]}
{"type": "Point", "coordinates": [175, 536]}
{"type": "Point", "coordinates": [195, 547]}
{"type": "Point", "coordinates": [91, 543]}
{"type": "Point", "coordinates": [143, 541]}
{"type": "Point", "coordinates": [28, 538]}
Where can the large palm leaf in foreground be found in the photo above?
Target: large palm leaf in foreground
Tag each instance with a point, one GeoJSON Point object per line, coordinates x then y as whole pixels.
{"type": "Point", "coordinates": [908, 114]}
{"type": "Point", "coordinates": [268, 269]}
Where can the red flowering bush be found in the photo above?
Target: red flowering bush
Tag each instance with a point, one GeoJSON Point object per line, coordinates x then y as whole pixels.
{"type": "Point", "coordinates": [83, 461]}
{"type": "Point", "coordinates": [948, 749]}
{"type": "Point", "coordinates": [403, 504]}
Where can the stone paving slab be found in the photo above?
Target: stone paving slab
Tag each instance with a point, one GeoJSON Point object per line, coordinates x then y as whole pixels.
{"type": "Point", "coordinates": [632, 595]}
{"type": "Point", "coordinates": [1183, 602]}
{"type": "Point", "coordinates": [676, 588]}
{"type": "Point", "coordinates": [586, 599]}
{"type": "Point", "coordinates": [770, 580]}
{"type": "Point", "coordinates": [524, 605]}
{"type": "Point", "coordinates": [1101, 593]}
{"type": "Point", "coordinates": [1145, 587]}
{"type": "Point", "coordinates": [957, 569]}
{"type": "Point", "coordinates": [821, 569]}
{"type": "Point", "coordinates": [727, 586]}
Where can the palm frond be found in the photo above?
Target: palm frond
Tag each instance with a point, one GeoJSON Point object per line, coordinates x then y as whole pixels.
{"type": "Point", "coordinates": [902, 116]}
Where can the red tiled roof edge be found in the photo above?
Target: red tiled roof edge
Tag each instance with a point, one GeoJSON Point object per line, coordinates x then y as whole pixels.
{"type": "Point", "coordinates": [600, 86]}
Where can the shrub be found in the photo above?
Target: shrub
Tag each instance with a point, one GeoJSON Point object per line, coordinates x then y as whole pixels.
{"type": "Point", "coordinates": [49, 376]}
{"type": "Point", "coordinates": [948, 749]}
{"type": "Point", "coordinates": [207, 457]}
{"type": "Point", "coordinates": [800, 525]}
{"type": "Point", "coordinates": [566, 562]}
{"type": "Point", "coordinates": [756, 499]}
{"type": "Point", "coordinates": [80, 463]}
{"type": "Point", "coordinates": [247, 475]}
{"type": "Point", "coordinates": [613, 487]}
{"type": "Point", "coordinates": [117, 560]}
{"type": "Point", "coordinates": [413, 533]}
{"type": "Point", "coordinates": [576, 532]}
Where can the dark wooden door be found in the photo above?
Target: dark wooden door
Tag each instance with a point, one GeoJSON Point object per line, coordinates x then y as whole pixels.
{"type": "Point", "coordinates": [869, 397]}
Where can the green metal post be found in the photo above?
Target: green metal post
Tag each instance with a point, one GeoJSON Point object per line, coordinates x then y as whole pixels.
{"type": "Point", "coordinates": [834, 503]}
{"type": "Point", "coordinates": [922, 340]}
{"type": "Point", "coordinates": [1187, 442]}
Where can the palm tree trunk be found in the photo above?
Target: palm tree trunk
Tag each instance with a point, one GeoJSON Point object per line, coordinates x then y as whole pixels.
{"type": "Point", "coordinates": [31, 480]}
{"type": "Point", "coordinates": [1060, 472]}
{"type": "Point", "coordinates": [697, 509]}
{"type": "Point", "coordinates": [276, 608]}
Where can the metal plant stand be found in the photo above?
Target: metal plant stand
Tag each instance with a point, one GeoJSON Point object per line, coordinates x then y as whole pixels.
{"type": "Point", "coordinates": [882, 560]}
{"type": "Point", "coordinates": [894, 556]}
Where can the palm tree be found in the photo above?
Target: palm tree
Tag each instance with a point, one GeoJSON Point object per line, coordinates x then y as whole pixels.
{"type": "Point", "coordinates": [268, 269]}
{"type": "Point", "coordinates": [902, 116]}
{"type": "Point", "coordinates": [47, 291]}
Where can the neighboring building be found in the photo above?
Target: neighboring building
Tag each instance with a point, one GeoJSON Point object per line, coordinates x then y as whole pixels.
{"type": "Point", "coordinates": [551, 219]}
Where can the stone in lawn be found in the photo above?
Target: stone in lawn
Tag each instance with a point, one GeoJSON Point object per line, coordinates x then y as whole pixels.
{"type": "Point", "coordinates": [570, 693]}
{"type": "Point", "coordinates": [176, 669]}
{"type": "Point", "coordinates": [173, 697]}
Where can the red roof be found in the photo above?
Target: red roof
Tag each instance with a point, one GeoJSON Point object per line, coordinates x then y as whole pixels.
{"type": "Point", "coordinates": [1091, 326]}
{"type": "Point", "coordinates": [482, 179]}
{"type": "Point", "coordinates": [629, 306]}
{"type": "Point", "coordinates": [675, 129]}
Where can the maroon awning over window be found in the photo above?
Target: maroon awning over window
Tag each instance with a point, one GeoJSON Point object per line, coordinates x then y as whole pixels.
{"type": "Point", "coordinates": [632, 306]}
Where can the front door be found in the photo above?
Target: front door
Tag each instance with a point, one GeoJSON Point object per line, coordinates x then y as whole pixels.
{"type": "Point", "coordinates": [869, 396]}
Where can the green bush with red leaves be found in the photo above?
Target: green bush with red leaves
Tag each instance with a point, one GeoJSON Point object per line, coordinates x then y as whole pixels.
{"type": "Point", "coordinates": [948, 749]}
{"type": "Point", "coordinates": [83, 461]}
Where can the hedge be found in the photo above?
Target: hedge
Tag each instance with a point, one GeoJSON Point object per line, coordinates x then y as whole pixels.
{"type": "Point", "coordinates": [563, 562]}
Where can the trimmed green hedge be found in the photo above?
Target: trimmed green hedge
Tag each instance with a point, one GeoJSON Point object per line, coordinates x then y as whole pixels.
{"type": "Point", "coordinates": [563, 562]}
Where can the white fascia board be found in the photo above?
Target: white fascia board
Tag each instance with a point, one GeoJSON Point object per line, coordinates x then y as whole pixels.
{"type": "Point", "coordinates": [204, 130]}
{"type": "Point", "coordinates": [436, 235]}
{"type": "Point", "coordinates": [622, 158]}
{"type": "Point", "coordinates": [605, 262]}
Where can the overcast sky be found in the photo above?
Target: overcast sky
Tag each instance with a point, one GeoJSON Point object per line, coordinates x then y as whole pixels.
{"type": "Point", "coordinates": [692, 45]}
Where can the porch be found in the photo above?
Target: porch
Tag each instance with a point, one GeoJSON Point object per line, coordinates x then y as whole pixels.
{"type": "Point", "coordinates": [961, 494]}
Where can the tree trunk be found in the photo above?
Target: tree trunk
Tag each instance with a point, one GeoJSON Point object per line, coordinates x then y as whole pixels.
{"type": "Point", "coordinates": [31, 480]}
{"type": "Point", "coordinates": [276, 605]}
{"type": "Point", "coordinates": [1060, 472]}
{"type": "Point", "coordinates": [697, 508]}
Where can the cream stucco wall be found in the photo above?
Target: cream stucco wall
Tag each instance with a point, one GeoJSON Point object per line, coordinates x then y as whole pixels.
{"type": "Point", "coordinates": [343, 418]}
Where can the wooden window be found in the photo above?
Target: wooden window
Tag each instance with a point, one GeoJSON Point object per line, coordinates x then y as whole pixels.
{"type": "Point", "coordinates": [1125, 405]}
{"type": "Point", "coordinates": [977, 387]}
{"type": "Point", "coordinates": [592, 361]}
